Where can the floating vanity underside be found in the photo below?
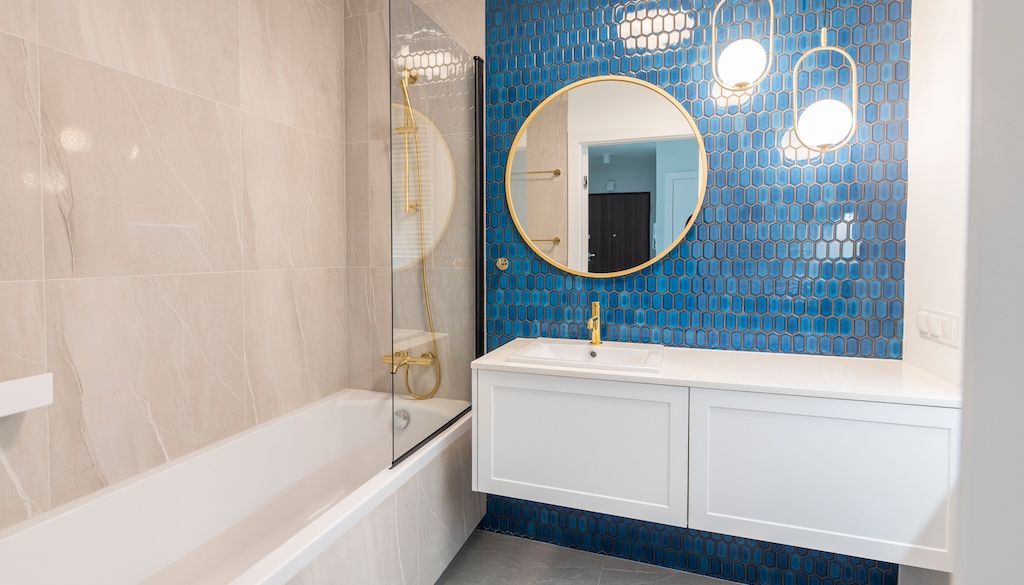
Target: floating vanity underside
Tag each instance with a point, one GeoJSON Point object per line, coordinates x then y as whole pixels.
{"type": "Point", "coordinates": [852, 456]}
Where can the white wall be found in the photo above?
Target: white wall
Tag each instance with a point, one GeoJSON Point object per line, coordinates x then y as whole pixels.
{"type": "Point", "coordinates": [992, 474]}
{"type": "Point", "coordinates": [937, 190]}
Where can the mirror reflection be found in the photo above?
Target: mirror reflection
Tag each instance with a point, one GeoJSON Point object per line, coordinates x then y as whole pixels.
{"type": "Point", "coordinates": [606, 176]}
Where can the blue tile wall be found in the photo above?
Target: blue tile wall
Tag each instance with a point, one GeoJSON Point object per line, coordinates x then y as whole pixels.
{"type": "Point", "coordinates": [741, 560]}
{"type": "Point", "coordinates": [787, 255]}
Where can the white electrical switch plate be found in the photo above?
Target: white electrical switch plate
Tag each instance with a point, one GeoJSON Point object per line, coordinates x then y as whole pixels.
{"type": "Point", "coordinates": [939, 326]}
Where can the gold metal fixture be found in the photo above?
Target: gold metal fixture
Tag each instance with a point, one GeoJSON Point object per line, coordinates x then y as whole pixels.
{"type": "Point", "coordinates": [552, 172]}
{"type": "Point", "coordinates": [402, 359]}
{"type": "Point", "coordinates": [554, 241]}
{"type": "Point", "coordinates": [594, 323]}
{"type": "Point", "coordinates": [701, 189]}
{"type": "Point", "coordinates": [409, 76]}
{"type": "Point", "coordinates": [501, 264]}
{"type": "Point", "coordinates": [742, 86]}
{"type": "Point", "coordinates": [853, 95]}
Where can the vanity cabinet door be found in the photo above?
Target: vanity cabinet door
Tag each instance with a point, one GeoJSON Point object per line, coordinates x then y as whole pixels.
{"type": "Point", "coordinates": [861, 478]}
{"type": "Point", "coordinates": [613, 447]}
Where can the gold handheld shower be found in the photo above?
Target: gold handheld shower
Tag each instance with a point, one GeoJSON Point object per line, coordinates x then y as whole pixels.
{"type": "Point", "coordinates": [409, 131]}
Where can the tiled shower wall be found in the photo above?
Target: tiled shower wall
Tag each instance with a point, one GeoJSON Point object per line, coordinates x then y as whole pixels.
{"type": "Point", "coordinates": [175, 241]}
{"type": "Point", "coordinates": [787, 255]}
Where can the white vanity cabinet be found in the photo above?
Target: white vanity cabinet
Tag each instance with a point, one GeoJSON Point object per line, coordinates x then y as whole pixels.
{"type": "Point", "coordinates": [867, 479]}
{"type": "Point", "coordinates": [845, 455]}
{"type": "Point", "coordinates": [596, 445]}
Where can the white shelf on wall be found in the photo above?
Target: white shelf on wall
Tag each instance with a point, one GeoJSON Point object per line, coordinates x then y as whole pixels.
{"type": "Point", "coordinates": [25, 394]}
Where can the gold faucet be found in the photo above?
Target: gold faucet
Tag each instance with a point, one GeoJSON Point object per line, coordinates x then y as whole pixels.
{"type": "Point", "coordinates": [594, 323]}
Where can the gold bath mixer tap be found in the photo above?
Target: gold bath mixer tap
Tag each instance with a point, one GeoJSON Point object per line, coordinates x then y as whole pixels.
{"type": "Point", "coordinates": [594, 323]}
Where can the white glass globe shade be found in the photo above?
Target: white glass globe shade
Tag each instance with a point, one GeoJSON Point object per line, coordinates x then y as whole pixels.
{"type": "Point", "coordinates": [741, 63]}
{"type": "Point", "coordinates": [825, 124]}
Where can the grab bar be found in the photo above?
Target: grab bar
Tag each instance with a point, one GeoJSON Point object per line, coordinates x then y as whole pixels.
{"type": "Point", "coordinates": [553, 173]}
{"type": "Point", "coordinates": [555, 240]}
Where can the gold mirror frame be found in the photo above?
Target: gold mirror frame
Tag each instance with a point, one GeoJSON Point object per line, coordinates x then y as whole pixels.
{"type": "Point", "coordinates": [701, 190]}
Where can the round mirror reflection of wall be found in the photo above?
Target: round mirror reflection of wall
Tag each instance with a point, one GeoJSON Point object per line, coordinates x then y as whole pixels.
{"type": "Point", "coordinates": [606, 176]}
{"type": "Point", "coordinates": [422, 189]}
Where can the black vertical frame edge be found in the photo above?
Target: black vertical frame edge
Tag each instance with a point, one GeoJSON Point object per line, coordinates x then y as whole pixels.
{"type": "Point", "coordinates": [481, 254]}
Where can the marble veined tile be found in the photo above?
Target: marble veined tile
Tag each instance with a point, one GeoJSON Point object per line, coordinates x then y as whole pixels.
{"type": "Point", "coordinates": [24, 457]}
{"type": "Point", "coordinates": [187, 44]}
{"type": "Point", "coordinates": [292, 64]}
{"type": "Point", "coordinates": [146, 369]}
{"type": "Point", "coordinates": [294, 197]}
{"type": "Point", "coordinates": [22, 345]}
{"type": "Point", "coordinates": [138, 178]}
{"type": "Point", "coordinates": [295, 339]}
{"type": "Point", "coordinates": [367, 82]}
{"type": "Point", "coordinates": [24, 467]}
{"type": "Point", "coordinates": [21, 238]}
{"type": "Point", "coordinates": [445, 509]}
{"type": "Point", "coordinates": [369, 328]}
{"type": "Point", "coordinates": [368, 554]}
{"type": "Point", "coordinates": [18, 17]}
{"type": "Point", "coordinates": [462, 19]}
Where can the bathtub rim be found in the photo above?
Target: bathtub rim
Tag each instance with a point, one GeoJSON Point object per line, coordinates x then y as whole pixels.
{"type": "Point", "coordinates": [127, 483]}
{"type": "Point", "coordinates": [293, 555]}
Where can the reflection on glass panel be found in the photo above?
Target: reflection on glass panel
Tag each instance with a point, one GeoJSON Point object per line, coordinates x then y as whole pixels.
{"type": "Point", "coordinates": [432, 221]}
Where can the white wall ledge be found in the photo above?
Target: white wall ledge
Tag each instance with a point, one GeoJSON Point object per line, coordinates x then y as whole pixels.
{"type": "Point", "coordinates": [25, 394]}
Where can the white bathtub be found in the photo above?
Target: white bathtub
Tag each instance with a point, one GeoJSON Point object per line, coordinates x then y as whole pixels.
{"type": "Point", "coordinates": [254, 509]}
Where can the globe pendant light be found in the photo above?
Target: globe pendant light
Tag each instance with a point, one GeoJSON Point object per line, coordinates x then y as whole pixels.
{"type": "Point", "coordinates": [743, 63]}
{"type": "Point", "coordinates": [827, 124]}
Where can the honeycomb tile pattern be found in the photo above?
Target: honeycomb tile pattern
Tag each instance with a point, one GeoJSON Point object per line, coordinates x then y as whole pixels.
{"type": "Point", "coordinates": [741, 560]}
{"type": "Point", "coordinates": [791, 253]}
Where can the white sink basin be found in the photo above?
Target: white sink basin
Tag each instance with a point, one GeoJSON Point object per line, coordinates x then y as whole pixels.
{"type": "Point", "coordinates": [610, 355]}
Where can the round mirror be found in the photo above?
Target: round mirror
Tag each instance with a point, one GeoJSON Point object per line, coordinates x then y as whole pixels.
{"type": "Point", "coordinates": [606, 176]}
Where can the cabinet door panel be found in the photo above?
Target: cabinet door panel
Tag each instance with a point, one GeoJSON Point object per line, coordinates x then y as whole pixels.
{"type": "Point", "coordinates": [859, 478]}
{"type": "Point", "coordinates": [611, 447]}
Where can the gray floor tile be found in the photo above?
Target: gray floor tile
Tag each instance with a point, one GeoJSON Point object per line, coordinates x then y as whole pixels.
{"type": "Point", "coordinates": [496, 559]}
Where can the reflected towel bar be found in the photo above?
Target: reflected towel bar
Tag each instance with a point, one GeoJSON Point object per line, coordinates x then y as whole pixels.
{"type": "Point", "coordinates": [553, 173]}
{"type": "Point", "coordinates": [555, 240]}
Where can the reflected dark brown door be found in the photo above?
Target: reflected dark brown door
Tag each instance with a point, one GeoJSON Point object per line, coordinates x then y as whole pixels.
{"type": "Point", "coordinates": [620, 231]}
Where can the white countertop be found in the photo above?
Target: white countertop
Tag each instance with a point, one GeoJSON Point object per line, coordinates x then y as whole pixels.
{"type": "Point", "coordinates": [873, 380]}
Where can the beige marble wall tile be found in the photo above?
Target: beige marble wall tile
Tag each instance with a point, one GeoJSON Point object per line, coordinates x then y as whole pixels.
{"type": "Point", "coordinates": [187, 44]}
{"type": "Point", "coordinates": [462, 19]}
{"type": "Point", "coordinates": [21, 238]}
{"type": "Point", "coordinates": [367, 78]}
{"type": "Point", "coordinates": [547, 213]}
{"type": "Point", "coordinates": [292, 64]}
{"type": "Point", "coordinates": [22, 338]}
{"type": "Point", "coordinates": [379, 169]}
{"type": "Point", "coordinates": [295, 214]}
{"type": "Point", "coordinates": [369, 326]}
{"type": "Point", "coordinates": [361, 7]}
{"type": "Point", "coordinates": [335, 5]}
{"type": "Point", "coordinates": [456, 246]}
{"type": "Point", "coordinates": [146, 369]}
{"type": "Point", "coordinates": [24, 467]}
{"type": "Point", "coordinates": [295, 339]}
{"type": "Point", "coordinates": [18, 17]}
{"type": "Point", "coordinates": [357, 204]}
{"type": "Point", "coordinates": [24, 457]}
{"type": "Point", "coordinates": [139, 178]}
{"type": "Point", "coordinates": [368, 200]}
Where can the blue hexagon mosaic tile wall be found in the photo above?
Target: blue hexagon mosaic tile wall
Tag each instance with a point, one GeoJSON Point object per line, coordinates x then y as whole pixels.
{"type": "Point", "coordinates": [741, 560]}
{"type": "Point", "coordinates": [789, 254]}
